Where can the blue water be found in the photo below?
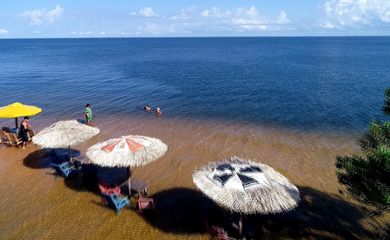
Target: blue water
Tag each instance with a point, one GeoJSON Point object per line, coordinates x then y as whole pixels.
{"type": "Point", "coordinates": [305, 83]}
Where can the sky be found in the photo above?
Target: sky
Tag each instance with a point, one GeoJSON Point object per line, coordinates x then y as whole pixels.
{"type": "Point", "coordinates": [188, 18]}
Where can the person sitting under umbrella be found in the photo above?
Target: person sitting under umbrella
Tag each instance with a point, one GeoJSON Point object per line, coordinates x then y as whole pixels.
{"type": "Point", "coordinates": [25, 128]}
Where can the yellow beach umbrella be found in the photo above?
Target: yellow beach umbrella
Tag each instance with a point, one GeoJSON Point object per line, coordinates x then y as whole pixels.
{"type": "Point", "coordinates": [18, 109]}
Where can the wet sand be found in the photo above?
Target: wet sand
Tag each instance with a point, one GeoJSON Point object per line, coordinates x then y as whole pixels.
{"type": "Point", "coordinates": [36, 205]}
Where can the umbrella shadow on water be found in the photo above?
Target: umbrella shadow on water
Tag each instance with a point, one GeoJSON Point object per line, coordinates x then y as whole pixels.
{"type": "Point", "coordinates": [182, 210]}
{"type": "Point", "coordinates": [42, 158]}
{"type": "Point", "coordinates": [319, 215]}
{"type": "Point", "coordinates": [88, 177]}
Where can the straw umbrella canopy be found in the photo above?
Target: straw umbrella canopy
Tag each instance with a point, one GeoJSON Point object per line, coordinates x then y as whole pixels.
{"type": "Point", "coordinates": [64, 134]}
{"type": "Point", "coordinates": [18, 109]}
{"type": "Point", "coordinates": [127, 151]}
{"type": "Point", "coordinates": [246, 187]}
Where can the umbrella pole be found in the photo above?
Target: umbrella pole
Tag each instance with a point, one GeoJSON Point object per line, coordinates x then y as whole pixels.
{"type": "Point", "coordinates": [16, 122]}
{"type": "Point", "coordinates": [240, 226]}
{"type": "Point", "coordinates": [69, 158]}
{"type": "Point", "coordinates": [129, 183]}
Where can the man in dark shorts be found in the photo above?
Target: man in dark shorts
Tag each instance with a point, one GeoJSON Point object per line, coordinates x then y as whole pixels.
{"type": "Point", "coordinates": [23, 131]}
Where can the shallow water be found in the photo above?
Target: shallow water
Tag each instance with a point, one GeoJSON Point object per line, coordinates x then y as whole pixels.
{"type": "Point", "coordinates": [39, 206]}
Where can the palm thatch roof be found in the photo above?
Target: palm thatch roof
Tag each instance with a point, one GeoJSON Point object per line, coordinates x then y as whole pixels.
{"type": "Point", "coordinates": [127, 151]}
{"type": "Point", "coordinates": [64, 134]}
{"type": "Point", "coordinates": [246, 186]}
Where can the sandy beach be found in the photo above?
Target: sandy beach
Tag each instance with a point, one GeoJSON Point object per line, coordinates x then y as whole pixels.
{"type": "Point", "coordinates": [34, 204]}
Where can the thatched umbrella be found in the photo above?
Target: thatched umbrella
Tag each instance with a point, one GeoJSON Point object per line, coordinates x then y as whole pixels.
{"type": "Point", "coordinates": [127, 151]}
{"type": "Point", "coordinates": [246, 187]}
{"type": "Point", "coordinates": [64, 134]}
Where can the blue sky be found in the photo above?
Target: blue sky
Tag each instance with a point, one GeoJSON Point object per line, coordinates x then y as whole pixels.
{"type": "Point", "coordinates": [152, 18]}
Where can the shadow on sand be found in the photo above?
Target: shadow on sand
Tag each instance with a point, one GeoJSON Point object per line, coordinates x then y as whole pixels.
{"type": "Point", "coordinates": [44, 157]}
{"type": "Point", "coordinates": [319, 216]}
{"type": "Point", "coordinates": [181, 210]}
{"type": "Point", "coordinates": [88, 177]}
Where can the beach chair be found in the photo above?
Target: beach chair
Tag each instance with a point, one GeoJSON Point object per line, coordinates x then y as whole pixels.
{"type": "Point", "coordinates": [4, 138]}
{"type": "Point", "coordinates": [220, 233]}
{"type": "Point", "coordinates": [145, 203]}
{"type": "Point", "coordinates": [113, 197]}
{"type": "Point", "coordinates": [6, 129]}
{"type": "Point", "coordinates": [13, 139]}
{"type": "Point", "coordinates": [104, 189]}
{"type": "Point", "coordinates": [116, 201]}
{"type": "Point", "coordinates": [65, 168]}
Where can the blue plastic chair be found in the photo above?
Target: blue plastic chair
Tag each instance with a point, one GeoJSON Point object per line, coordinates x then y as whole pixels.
{"type": "Point", "coordinates": [117, 201]}
{"type": "Point", "coordinates": [65, 168]}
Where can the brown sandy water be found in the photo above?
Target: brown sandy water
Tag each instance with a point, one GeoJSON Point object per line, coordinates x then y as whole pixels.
{"type": "Point", "coordinates": [36, 205]}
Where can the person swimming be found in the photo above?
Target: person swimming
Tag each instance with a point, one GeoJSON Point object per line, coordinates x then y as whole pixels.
{"type": "Point", "coordinates": [148, 108]}
{"type": "Point", "coordinates": [158, 112]}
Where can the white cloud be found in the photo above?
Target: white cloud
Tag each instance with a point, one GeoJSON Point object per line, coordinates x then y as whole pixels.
{"type": "Point", "coordinates": [355, 13]}
{"type": "Point", "coordinates": [205, 13]}
{"type": "Point", "coordinates": [187, 21]}
{"type": "Point", "coordinates": [282, 18]}
{"type": "Point", "coordinates": [147, 12]}
{"type": "Point", "coordinates": [215, 12]}
{"type": "Point", "coordinates": [328, 25]}
{"type": "Point", "coordinates": [250, 24]}
{"type": "Point", "coordinates": [85, 33]}
{"type": "Point", "coordinates": [247, 12]}
{"type": "Point", "coordinates": [55, 13]}
{"type": "Point", "coordinates": [243, 19]}
{"type": "Point", "coordinates": [181, 16]}
{"type": "Point", "coordinates": [40, 16]}
{"type": "Point", "coordinates": [185, 14]}
{"type": "Point", "coordinates": [248, 19]}
{"type": "Point", "coordinates": [3, 31]}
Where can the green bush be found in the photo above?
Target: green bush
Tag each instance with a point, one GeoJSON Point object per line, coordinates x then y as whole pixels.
{"type": "Point", "coordinates": [368, 177]}
{"type": "Point", "coordinates": [387, 100]}
{"type": "Point", "coordinates": [387, 93]}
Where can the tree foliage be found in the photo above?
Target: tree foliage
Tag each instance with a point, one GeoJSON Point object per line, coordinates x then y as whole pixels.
{"type": "Point", "coordinates": [368, 177]}
{"type": "Point", "coordinates": [387, 100]}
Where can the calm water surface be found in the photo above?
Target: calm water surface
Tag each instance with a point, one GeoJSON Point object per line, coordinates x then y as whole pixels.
{"type": "Point", "coordinates": [302, 83]}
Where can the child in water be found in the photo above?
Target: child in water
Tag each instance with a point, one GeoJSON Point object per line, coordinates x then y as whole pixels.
{"type": "Point", "coordinates": [88, 114]}
{"type": "Point", "coordinates": [158, 112]}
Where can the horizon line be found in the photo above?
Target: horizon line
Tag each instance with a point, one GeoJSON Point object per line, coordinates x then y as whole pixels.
{"type": "Point", "coordinates": [143, 37]}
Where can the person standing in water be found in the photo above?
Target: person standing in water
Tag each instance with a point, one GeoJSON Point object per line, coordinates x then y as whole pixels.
{"type": "Point", "coordinates": [88, 114]}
